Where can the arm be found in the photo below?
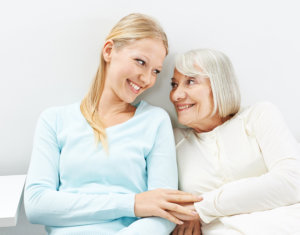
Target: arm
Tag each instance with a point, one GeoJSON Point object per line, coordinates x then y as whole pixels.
{"type": "Point", "coordinates": [280, 186]}
{"type": "Point", "coordinates": [46, 205]}
{"type": "Point", "coordinates": [162, 173]}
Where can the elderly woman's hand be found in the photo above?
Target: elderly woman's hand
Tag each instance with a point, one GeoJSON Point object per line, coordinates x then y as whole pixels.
{"type": "Point", "coordinates": [192, 227]}
{"type": "Point", "coordinates": [166, 203]}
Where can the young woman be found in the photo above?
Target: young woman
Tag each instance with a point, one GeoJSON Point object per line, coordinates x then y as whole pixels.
{"type": "Point", "coordinates": [98, 165]}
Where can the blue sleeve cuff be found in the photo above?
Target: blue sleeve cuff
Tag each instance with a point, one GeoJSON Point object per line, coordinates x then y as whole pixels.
{"type": "Point", "coordinates": [125, 204]}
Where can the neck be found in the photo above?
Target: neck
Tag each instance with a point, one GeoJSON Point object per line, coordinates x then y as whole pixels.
{"type": "Point", "coordinates": [210, 124]}
{"type": "Point", "coordinates": [111, 105]}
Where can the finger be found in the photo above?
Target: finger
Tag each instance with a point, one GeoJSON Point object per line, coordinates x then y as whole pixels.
{"type": "Point", "coordinates": [197, 228]}
{"type": "Point", "coordinates": [175, 191]}
{"type": "Point", "coordinates": [181, 230]}
{"type": "Point", "coordinates": [175, 231]}
{"type": "Point", "coordinates": [189, 229]}
{"type": "Point", "coordinates": [191, 226]}
{"type": "Point", "coordinates": [183, 198]}
{"type": "Point", "coordinates": [182, 217]}
{"type": "Point", "coordinates": [179, 209]}
{"type": "Point", "coordinates": [196, 232]}
{"type": "Point", "coordinates": [168, 216]}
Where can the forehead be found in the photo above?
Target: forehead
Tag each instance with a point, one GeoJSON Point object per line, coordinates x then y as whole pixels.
{"type": "Point", "coordinates": [178, 76]}
{"type": "Point", "coordinates": [151, 48]}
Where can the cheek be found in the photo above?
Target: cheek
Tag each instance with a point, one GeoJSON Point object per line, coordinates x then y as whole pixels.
{"type": "Point", "coordinates": [120, 68]}
{"type": "Point", "coordinates": [125, 70]}
{"type": "Point", "coordinates": [208, 103]}
{"type": "Point", "coordinates": [203, 97]}
{"type": "Point", "coordinates": [207, 96]}
{"type": "Point", "coordinates": [211, 100]}
{"type": "Point", "coordinates": [152, 83]}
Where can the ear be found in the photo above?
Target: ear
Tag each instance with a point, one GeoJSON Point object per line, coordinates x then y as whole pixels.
{"type": "Point", "coordinates": [107, 50]}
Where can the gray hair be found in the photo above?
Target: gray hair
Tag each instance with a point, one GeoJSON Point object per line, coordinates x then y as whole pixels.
{"type": "Point", "coordinates": [217, 67]}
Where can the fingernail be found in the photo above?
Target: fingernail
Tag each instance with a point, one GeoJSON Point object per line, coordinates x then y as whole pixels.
{"type": "Point", "coordinates": [180, 222]}
{"type": "Point", "coordinates": [194, 213]}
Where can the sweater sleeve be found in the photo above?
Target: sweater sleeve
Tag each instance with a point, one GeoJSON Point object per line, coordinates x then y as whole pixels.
{"type": "Point", "coordinates": [162, 173]}
{"type": "Point", "coordinates": [44, 204]}
{"type": "Point", "coordinates": [280, 186]}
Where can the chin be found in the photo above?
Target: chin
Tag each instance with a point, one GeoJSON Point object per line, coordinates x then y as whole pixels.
{"type": "Point", "coordinates": [182, 122]}
{"type": "Point", "coordinates": [129, 100]}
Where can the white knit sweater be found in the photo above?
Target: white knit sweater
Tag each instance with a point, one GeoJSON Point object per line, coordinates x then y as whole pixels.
{"type": "Point", "coordinates": [245, 169]}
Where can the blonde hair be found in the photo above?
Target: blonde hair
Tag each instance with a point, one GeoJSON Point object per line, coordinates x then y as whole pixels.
{"type": "Point", "coordinates": [130, 28]}
{"type": "Point", "coordinates": [216, 66]}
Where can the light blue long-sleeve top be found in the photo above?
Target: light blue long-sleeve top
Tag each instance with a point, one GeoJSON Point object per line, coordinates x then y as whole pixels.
{"type": "Point", "coordinates": [74, 187]}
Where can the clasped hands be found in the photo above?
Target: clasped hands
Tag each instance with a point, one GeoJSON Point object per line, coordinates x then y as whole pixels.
{"type": "Point", "coordinates": [174, 205]}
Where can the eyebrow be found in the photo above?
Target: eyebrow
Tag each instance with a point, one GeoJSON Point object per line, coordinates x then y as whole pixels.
{"type": "Point", "coordinates": [147, 58]}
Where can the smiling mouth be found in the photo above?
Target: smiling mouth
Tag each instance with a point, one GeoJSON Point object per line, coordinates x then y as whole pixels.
{"type": "Point", "coordinates": [134, 87]}
{"type": "Point", "coordinates": [184, 107]}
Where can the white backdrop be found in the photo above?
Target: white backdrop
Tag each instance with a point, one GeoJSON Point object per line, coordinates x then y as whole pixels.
{"type": "Point", "coordinates": [49, 52]}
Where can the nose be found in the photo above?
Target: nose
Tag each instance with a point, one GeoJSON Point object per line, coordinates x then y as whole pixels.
{"type": "Point", "coordinates": [145, 78]}
{"type": "Point", "coordinates": [177, 94]}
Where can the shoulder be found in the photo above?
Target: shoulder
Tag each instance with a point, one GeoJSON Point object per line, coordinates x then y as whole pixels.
{"type": "Point", "coordinates": [264, 107]}
{"type": "Point", "coordinates": [262, 116]}
{"type": "Point", "coordinates": [181, 134]}
{"type": "Point", "coordinates": [153, 112]}
{"type": "Point", "coordinates": [260, 110]}
{"type": "Point", "coordinates": [51, 114]}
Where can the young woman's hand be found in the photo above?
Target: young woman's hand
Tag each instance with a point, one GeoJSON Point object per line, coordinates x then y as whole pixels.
{"type": "Point", "coordinates": [185, 217]}
{"type": "Point", "coordinates": [163, 202]}
{"type": "Point", "coordinates": [192, 227]}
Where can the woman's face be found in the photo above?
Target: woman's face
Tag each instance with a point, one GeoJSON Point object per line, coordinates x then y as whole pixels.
{"type": "Point", "coordinates": [193, 100]}
{"type": "Point", "coordinates": [133, 68]}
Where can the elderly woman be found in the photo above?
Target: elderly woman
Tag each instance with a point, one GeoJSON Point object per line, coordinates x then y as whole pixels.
{"type": "Point", "coordinates": [243, 161]}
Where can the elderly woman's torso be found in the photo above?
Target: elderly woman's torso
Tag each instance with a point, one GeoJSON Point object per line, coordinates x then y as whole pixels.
{"type": "Point", "coordinates": [230, 166]}
{"type": "Point", "coordinates": [206, 161]}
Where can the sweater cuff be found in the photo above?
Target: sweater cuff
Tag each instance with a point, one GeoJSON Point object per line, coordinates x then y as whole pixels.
{"type": "Point", "coordinates": [207, 208]}
{"type": "Point", "coordinates": [125, 205]}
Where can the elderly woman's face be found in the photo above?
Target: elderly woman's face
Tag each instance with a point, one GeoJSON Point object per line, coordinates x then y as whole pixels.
{"type": "Point", "coordinates": [192, 98]}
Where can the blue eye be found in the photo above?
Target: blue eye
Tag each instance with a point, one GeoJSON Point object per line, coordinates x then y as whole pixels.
{"type": "Point", "coordinates": [141, 62]}
{"type": "Point", "coordinates": [156, 71]}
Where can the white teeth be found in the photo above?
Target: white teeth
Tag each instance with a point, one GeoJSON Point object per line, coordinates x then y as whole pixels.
{"type": "Point", "coordinates": [134, 86]}
{"type": "Point", "coordinates": [184, 106]}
